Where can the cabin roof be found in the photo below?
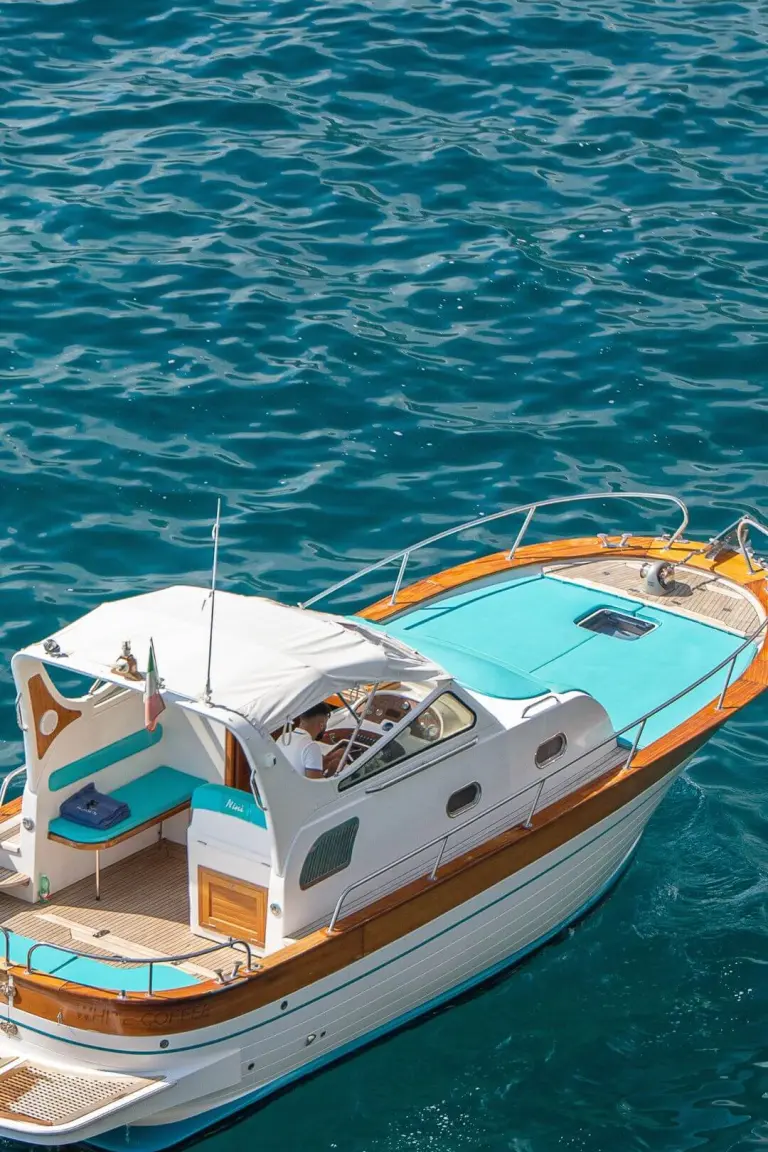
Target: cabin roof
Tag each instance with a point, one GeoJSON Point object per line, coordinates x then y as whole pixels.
{"type": "Point", "coordinates": [269, 661]}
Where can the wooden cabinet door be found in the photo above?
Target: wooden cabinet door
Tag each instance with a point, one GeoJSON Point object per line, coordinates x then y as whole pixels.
{"type": "Point", "coordinates": [232, 907]}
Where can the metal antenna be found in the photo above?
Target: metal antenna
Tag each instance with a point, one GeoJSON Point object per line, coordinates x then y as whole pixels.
{"type": "Point", "coordinates": [213, 597]}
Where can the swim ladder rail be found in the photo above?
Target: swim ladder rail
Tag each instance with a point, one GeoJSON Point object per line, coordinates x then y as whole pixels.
{"type": "Point", "coordinates": [529, 509]}
{"type": "Point", "coordinates": [441, 842]}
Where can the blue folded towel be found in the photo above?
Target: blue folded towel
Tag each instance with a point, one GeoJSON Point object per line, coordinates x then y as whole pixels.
{"type": "Point", "coordinates": [94, 809]}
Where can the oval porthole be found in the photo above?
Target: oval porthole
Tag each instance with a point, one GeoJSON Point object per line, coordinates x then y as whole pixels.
{"type": "Point", "coordinates": [464, 798]}
{"type": "Point", "coordinates": [550, 750]}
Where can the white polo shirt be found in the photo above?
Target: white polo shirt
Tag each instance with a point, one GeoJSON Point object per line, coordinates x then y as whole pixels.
{"type": "Point", "coordinates": [302, 751]}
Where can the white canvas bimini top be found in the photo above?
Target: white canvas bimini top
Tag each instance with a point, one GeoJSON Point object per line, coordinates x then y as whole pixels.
{"type": "Point", "coordinates": [270, 662]}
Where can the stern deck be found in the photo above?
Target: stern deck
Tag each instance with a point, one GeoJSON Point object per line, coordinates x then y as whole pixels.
{"type": "Point", "coordinates": [143, 912]}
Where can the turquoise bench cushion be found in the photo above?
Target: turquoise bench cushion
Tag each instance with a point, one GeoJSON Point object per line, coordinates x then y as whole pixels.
{"type": "Point", "coordinates": [95, 973]}
{"type": "Point", "coordinates": [230, 802]}
{"type": "Point", "coordinates": [103, 757]}
{"type": "Point", "coordinates": [147, 797]}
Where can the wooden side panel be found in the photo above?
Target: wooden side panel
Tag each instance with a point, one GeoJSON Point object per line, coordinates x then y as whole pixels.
{"type": "Point", "coordinates": [11, 808]}
{"type": "Point", "coordinates": [237, 770]}
{"type": "Point", "coordinates": [41, 701]}
{"type": "Point", "coordinates": [232, 907]}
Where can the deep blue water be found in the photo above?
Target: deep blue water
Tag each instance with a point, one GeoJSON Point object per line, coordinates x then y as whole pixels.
{"type": "Point", "coordinates": [367, 269]}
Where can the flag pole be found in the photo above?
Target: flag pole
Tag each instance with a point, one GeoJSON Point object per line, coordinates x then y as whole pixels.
{"type": "Point", "coordinates": [213, 598]}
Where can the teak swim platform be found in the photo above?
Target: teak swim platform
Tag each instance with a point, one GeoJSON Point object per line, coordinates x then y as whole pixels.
{"type": "Point", "coordinates": [499, 734]}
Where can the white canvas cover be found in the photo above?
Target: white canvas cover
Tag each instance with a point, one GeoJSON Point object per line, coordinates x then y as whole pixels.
{"type": "Point", "coordinates": [270, 662]}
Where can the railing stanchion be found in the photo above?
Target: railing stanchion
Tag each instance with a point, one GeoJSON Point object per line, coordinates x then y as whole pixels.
{"type": "Point", "coordinates": [534, 806]}
{"type": "Point", "coordinates": [438, 862]}
{"type": "Point", "coordinates": [337, 910]}
{"type": "Point", "coordinates": [742, 532]}
{"type": "Point", "coordinates": [151, 975]}
{"type": "Point", "coordinates": [635, 745]}
{"type": "Point", "coordinates": [400, 576]}
{"type": "Point", "coordinates": [521, 533]}
{"type": "Point", "coordinates": [721, 701]}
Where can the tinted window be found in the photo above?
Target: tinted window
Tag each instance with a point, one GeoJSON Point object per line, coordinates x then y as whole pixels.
{"type": "Point", "coordinates": [466, 797]}
{"type": "Point", "coordinates": [444, 718]}
{"type": "Point", "coordinates": [550, 750]}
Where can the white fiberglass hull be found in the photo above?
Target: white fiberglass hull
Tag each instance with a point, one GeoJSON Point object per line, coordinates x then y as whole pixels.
{"type": "Point", "coordinates": [214, 1072]}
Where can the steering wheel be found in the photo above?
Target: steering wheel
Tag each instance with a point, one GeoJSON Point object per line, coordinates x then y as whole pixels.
{"type": "Point", "coordinates": [428, 725]}
{"type": "Point", "coordinates": [341, 736]}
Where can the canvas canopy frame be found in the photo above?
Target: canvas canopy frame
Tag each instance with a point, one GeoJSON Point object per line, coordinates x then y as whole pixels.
{"type": "Point", "coordinates": [269, 662]}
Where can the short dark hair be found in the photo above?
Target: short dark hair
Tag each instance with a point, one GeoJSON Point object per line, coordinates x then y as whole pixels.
{"type": "Point", "coordinates": [321, 709]}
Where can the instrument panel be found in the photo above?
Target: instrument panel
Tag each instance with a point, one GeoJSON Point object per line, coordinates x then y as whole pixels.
{"type": "Point", "coordinates": [386, 710]}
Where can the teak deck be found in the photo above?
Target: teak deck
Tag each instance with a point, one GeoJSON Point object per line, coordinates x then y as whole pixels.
{"type": "Point", "coordinates": [144, 903]}
{"type": "Point", "coordinates": [320, 954]}
{"type": "Point", "coordinates": [698, 594]}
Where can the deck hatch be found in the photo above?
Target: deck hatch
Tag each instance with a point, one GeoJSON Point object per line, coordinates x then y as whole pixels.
{"type": "Point", "coordinates": [620, 625]}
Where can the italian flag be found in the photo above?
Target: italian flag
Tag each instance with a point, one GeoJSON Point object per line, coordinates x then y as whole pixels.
{"type": "Point", "coordinates": [153, 701]}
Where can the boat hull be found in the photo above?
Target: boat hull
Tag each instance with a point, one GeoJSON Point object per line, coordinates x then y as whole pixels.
{"type": "Point", "coordinates": [423, 970]}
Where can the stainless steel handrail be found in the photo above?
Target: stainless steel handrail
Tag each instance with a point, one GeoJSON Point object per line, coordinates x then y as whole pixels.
{"type": "Point", "coordinates": [534, 704]}
{"type": "Point", "coordinates": [405, 554]}
{"type": "Point", "coordinates": [7, 780]}
{"type": "Point", "coordinates": [743, 525]}
{"type": "Point", "coordinates": [151, 961]}
{"type": "Point", "coordinates": [729, 662]}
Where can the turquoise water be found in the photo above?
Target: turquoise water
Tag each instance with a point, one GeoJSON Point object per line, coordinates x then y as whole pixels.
{"type": "Point", "coordinates": [365, 270]}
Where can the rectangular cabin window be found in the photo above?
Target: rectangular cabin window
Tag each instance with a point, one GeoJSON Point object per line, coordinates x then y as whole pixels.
{"type": "Point", "coordinates": [608, 622]}
{"type": "Point", "coordinates": [443, 719]}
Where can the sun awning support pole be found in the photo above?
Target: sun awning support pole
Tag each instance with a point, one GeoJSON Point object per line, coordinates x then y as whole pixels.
{"type": "Point", "coordinates": [360, 718]}
{"type": "Point", "coordinates": [213, 598]}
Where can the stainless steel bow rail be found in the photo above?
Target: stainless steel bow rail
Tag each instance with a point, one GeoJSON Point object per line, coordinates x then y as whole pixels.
{"type": "Point", "coordinates": [529, 509]}
{"type": "Point", "coordinates": [110, 958]}
{"type": "Point", "coordinates": [538, 785]}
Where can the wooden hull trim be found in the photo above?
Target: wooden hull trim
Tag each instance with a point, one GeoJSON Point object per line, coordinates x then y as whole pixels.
{"type": "Point", "coordinates": [320, 954]}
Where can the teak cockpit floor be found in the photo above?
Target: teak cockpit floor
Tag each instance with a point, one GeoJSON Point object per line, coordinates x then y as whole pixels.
{"type": "Point", "coordinates": [699, 594]}
{"type": "Point", "coordinates": [143, 912]}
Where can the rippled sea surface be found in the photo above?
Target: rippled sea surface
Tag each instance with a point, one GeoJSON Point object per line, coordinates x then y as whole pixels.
{"type": "Point", "coordinates": [365, 270]}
